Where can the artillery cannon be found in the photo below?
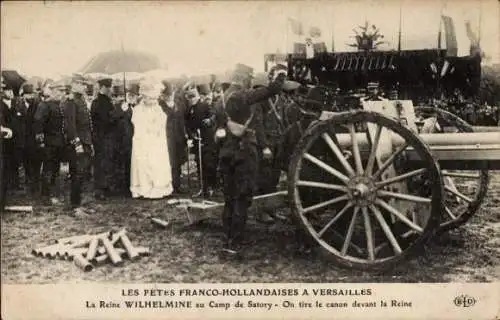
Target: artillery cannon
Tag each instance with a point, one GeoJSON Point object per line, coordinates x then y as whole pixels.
{"type": "Point", "coordinates": [370, 190]}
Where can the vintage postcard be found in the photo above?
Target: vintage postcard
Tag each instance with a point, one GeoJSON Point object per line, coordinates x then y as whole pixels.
{"type": "Point", "coordinates": [250, 159]}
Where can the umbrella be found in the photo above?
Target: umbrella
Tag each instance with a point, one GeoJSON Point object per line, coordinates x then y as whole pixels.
{"type": "Point", "coordinates": [129, 76]}
{"type": "Point", "coordinates": [13, 79]}
{"type": "Point", "coordinates": [158, 74]}
{"type": "Point", "coordinates": [116, 61]}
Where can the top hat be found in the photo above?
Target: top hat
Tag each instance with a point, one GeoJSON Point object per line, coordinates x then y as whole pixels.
{"type": "Point", "coordinates": [106, 82]}
{"type": "Point", "coordinates": [27, 89]}
{"type": "Point", "coordinates": [204, 89]}
{"type": "Point", "coordinates": [134, 88]}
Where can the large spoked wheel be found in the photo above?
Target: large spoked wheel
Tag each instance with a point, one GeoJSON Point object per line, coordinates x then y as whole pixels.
{"type": "Point", "coordinates": [465, 190]}
{"type": "Point", "coordinates": [348, 190]}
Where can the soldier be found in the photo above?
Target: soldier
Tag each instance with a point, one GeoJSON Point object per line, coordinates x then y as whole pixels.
{"type": "Point", "coordinates": [273, 124]}
{"type": "Point", "coordinates": [49, 133]}
{"type": "Point", "coordinates": [124, 139]}
{"type": "Point", "coordinates": [6, 142]}
{"type": "Point", "coordinates": [200, 116]}
{"type": "Point", "coordinates": [78, 132]}
{"type": "Point", "coordinates": [172, 103]}
{"type": "Point", "coordinates": [104, 121]}
{"type": "Point", "coordinates": [31, 153]}
{"type": "Point", "coordinates": [239, 154]}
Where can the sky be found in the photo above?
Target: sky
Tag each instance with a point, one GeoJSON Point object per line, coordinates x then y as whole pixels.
{"type": "Point", "coordinates": [50, 39]}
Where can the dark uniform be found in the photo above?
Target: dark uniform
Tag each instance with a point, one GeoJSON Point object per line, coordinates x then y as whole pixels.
{"type": "Point", "coordinates": [176, 136]}
{"type": "Point", "coordinates": [239, 155]}
{"type": "Point", "coordinates": [78, 132]}
{"type": "Point", "coordinates": [274, 129]}
{"type": "Point", "coordinates": [6, 149]}
{"type": "Point", "coordinates": [30, 155]}
{"type": "Point", "coordinates": [201, 116]}
{"type": "Point", "coordinates": [122, 151]}
{"type": "Point", "coordinates": [105, 123]}
{"type": "Point", "coordinates": [49, 131]}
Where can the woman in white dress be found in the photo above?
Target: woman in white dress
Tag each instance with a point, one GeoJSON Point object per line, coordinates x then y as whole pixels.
{"type": "Point", "coordinates": [150, 175]}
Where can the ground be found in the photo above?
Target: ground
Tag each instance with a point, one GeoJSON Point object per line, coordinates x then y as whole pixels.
{"type": "Point", "coordinates": [178, 254]}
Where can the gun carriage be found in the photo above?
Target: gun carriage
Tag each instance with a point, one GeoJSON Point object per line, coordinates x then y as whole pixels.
{"type": "Point", "coordinates": [371, 182]}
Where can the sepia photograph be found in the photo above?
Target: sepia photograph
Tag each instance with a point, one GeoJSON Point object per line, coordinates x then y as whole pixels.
{"type": "Point", "coordinates": [250, 142]}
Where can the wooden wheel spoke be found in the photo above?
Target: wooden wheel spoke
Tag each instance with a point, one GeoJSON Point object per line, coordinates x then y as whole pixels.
{"type": "Point", "coordinates": [400, 177]}
{"type": "Point", "coordinates": [448, 212]}
{"type": "Point", "coordinates": [335, 218]}
{"type": "Point", "coordinates": [333, 146]}
{"type": "Point", "coordinates": [390, 160]}
{"type": "Point", "coordinates": [373, 151]}
{"type": "Point", "coordinates": [326, 167]}
{"type": "Point", "coordinates": [457, 193]}
{"type": "Point", "coordinates": [399, 215]}
{"type": "Point", "coordinates": [355, 149]}
{"type": "Point", "coordinates": [369, 234]}
{"type": "Point", "coordinates": [314, 184]}
{"type": "Point", "coordinates": [387, 230]}
{"type": "Point", "coordinates": [403, 196]}
{"type": "Point", "coordinates": [460, 175]}
{"type": "Point", "coordinates": [350, 231]}
{"type": "Point", "coordinates": [325, 203]}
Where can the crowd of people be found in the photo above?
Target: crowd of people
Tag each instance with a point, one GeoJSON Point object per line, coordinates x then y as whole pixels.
{"type": "Point", "coordinates": [133, 142]}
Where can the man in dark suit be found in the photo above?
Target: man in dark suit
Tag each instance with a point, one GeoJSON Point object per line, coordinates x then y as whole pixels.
{"type": "Point", "coordinates": [173, 103]}
{"type": "Point", "coordinates": [6, 143]}
{"type": "Point", "coordinates": [241, 128]}
{"type": "Point", "coordinates": [78, 132]}
{"type": "Point", "coordinates": [105, 123]}
{"type": "Point", "coordinates": [125, 133]}
{"type": "Point", "coordinates": [31, 154]}
{"type": "Point", "coordinates": [48, 128]}
{"type": "Point", "coordinates": [200, 116]}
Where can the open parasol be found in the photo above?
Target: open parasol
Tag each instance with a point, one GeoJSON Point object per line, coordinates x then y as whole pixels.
{"type": "Point", "coordinates": [13, 79]}
{"type": "Point", "coordinates": [119, 61]}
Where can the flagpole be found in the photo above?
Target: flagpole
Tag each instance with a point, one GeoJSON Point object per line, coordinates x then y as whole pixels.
{"type": "Point", "coordinates": [480, 23]}
{"type": "Point", "coordinates": [399, 32]}
{"type": "Point", "coordinates": [440, 20]}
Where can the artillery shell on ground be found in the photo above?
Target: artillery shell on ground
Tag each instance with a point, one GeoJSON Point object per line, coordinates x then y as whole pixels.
{"type": "Point", "coordinates": [83, 263]}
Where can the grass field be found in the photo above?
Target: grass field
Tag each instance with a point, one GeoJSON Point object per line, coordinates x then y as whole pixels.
{"type": "Point", "coordinates": [469, 254]}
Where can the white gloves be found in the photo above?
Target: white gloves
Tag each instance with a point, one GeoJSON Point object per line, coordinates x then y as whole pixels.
{"type": "Point", "coordinates": [267, 154]}
{"type": "Point", "coordinates": [125, 106]}
{"type": "Point", "coordinates": [6, 132]}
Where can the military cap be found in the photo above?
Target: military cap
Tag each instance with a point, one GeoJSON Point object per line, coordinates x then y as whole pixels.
{"type": "Point", "coordinates": [204, 89]}
{"type": "Point", "coordinates": [134, 88]}
{"type": "Point", "coordinates": [106, 82]}
{"type": "Point", "coordinates": [78, 88]}
{"type": "Point", "coordinates": [276, 68]}
{"type": "Point", "coordinates": [27, 89]}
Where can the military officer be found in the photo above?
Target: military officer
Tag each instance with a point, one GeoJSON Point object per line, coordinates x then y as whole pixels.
{"type": "Point", "coordinates": [78, 132]}
{"type": "Point", "coordinates": [241, 126]}
{"type": "Point", "coordinates": [104, 124]}
{"type": "Point", "coordinates": [172, 103]}
{"type": "Point", "coordinates": [200, 117]}
{"type": "Point", "coordinates": [31, 153]}
{"type": "Point", "coordinates": [49, 133]}
{"type": "Point", "coordinates": [6, 142]}
{"type": "Point", "coordinates": [124, 139]}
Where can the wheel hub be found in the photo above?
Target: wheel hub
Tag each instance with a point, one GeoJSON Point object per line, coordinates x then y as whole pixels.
{"type": "Point", "coordinates": [361, 191]}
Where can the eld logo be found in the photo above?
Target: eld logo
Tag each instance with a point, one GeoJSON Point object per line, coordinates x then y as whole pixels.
{"type": "Point", "coordinates": [464, 301]}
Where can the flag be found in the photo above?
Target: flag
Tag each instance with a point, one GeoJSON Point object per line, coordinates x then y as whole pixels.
{"type": "Point", "coordinates": [315, 32]}
{"type": "Point", "coordinates": [450, 36]}
{"type": "Point", "coordinates": [296, 27]}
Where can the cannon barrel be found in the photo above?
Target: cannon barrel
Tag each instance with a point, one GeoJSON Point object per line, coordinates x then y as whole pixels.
{"type": "Point", "coordinates": [467, 151]}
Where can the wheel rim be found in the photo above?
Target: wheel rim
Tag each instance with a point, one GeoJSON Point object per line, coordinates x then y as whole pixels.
{"type": "Point", "coordinates": [464, 190]}
{"type": "Point", "coordinates": [355, 220]}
